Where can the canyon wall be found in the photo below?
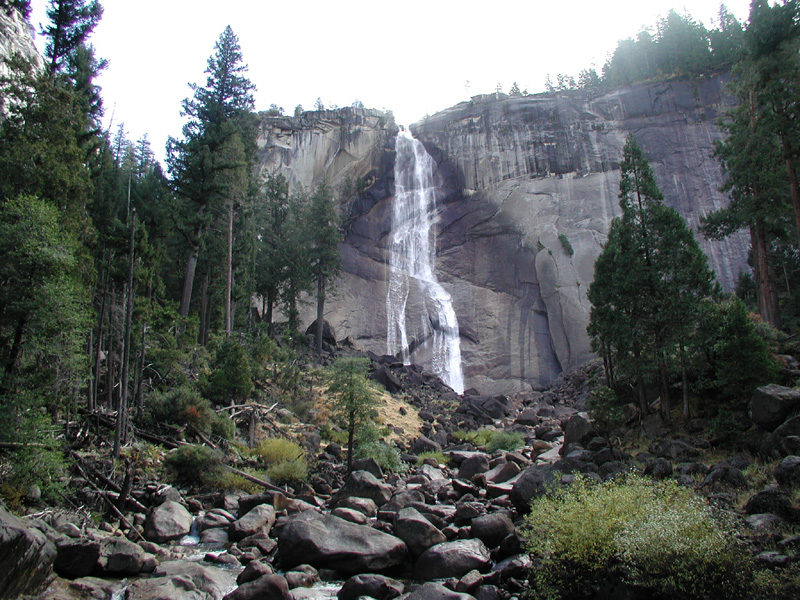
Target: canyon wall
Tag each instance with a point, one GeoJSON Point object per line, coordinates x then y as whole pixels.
{"type": "Point", "coordinates": [527, 187]}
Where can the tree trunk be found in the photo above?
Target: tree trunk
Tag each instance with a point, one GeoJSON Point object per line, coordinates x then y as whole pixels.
{"type": "Point", "coordinates": [320, 309]}
{"type": "Point", "coordinates": [765, 293]}
{"type": "Point", "coordinates": [229, 273]}
{"type": "Point", "coordinates": [15, 356]}
{"type": "Point", "coordinates": [121, 429]}
{"type": "Point", "coordinates": [684, 385]}
{"type": "Point", "coordinates": [188, 280]}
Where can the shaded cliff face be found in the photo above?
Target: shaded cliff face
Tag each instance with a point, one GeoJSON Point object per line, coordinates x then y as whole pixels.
{"type": "Point", "coordinates": [16, 37]}
{"type": "Point", "coordinates": [528, 189]}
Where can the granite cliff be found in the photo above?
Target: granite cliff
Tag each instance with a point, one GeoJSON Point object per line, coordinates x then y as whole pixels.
{"type": "Point", "coordinates": [528, 187]}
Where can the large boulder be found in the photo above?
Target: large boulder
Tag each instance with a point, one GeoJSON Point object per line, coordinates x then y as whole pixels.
{"type": "Point", "coordinates": [416, 531]}
{"type": "Point", "coordinates": [371, 585]}
{"type": "Point", "coordinates": [76, 557]}
{"type": "Point", "coordinates": [452, 559]}
{"type": "Point", "coordinates": [771, 405]}
{"type": "Point", "coordinates": [267, 587]}
{"type": "Point", "coordinates": [788, 471]}
{"type": "Point", "coordinates": [166, 522]}
{"type": "Point", "coordinates": [324, 541]}
{"type": "Point", "coordinates": [363, 484]}
{"type": "Point", "coordinates": [531, 483]}
{"type": "Point", "coordinates": [492, 529]}
{"type": "Point", "coordinates": [119, 556]}
{"type": "Point", "coordinates": [183, 580]}
{"type": "Point", "coordinates": [475, 464]}
{"type": "Point", "coordinates": [26, 558]}
{"type": "Point", "coordinates": [259, 520]}
{"type": "Point", "coordinates": [436, 591]}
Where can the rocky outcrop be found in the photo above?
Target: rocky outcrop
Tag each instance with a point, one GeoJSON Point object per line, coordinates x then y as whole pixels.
{"type": "Point", "coordinates": [528, 187]}
{"type": "Point", "coordinates": [16, 37]}
{"type": "Point", "coordinates": [26, 556]}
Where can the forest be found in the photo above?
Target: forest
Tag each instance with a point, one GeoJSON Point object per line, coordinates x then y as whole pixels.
{"type": "Point", "coordinates": [127, 288]}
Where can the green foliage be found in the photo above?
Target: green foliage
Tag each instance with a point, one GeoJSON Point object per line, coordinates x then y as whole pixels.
{"type": "Point", "coordinates": [655, 537]}
{"type": "Point", "coordinates": [605, 409]}
{"type": "Point", "coordinates": [276, 450]}
{"type": "Point", "coordinates": [387, 457]}
{"type": "Point", "coordinates": [491, 439]}
{"type": "Point", "coordinates": [231, 378]}
{"type": "Point", "coordinates": [198, 466]}
{"type": "Point", "coordinates": [184, 406]}
{"type": "Point", "coordinates": [288, 471]}
{"type": "Point", "coordinates": [565, 244]}
{"type": "Point", "coordinates": [439, 457]}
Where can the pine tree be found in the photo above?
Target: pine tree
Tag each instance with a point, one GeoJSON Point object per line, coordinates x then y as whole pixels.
{"type": "Point", "coordinates": [650, 280]}
{"type": "Point", "coordinates": [71, 23]}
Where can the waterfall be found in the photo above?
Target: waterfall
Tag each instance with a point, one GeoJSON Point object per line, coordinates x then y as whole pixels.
{"type": "Point", "coordinates": [412, 282]}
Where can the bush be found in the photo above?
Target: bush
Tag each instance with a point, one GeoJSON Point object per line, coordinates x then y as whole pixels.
{"type": "Point", "coordinates": [604, 408]}
{"type": "Point", "coordinates": [231, 378]}
{"type": "Point", "coordinates": [183, 406]}
{"type": "Point", "coordinates": [288, 471]}
{"type": "Point", "coordinates": [191, 465]}
{"type": "Point", "coordinates": [441, 458]}
{"type": "Point", "coordinates": [388, 457]}
{"type": "Point", "coordinates": [565, 244]}
{"type": "Point", "coordinates": [491, 439]}
{"type": "Point", "coordinates": [286, 459]}
{"type": "Point", "coordinates": [656, 537]}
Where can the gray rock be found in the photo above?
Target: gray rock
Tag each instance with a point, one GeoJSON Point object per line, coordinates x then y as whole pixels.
{"type": "Point", "coordinates": [659, 468]}
{"type": "Point", "coordinates": [533, 482]}
{"type": "Point", "coordinates": [166, 522]}
{"type": "Point", "coordinates": [350, 514]}
{"type": "Point", "coordinates": [26, 557]}
{"type": "Point", "coordinates": [772, 501]}
{"type": "Point", "coordinates": [119, 556]}
{"type": "Point", "coordinates": [725, 476]}
{"type": "Point", "coordinates": [579, 428]}
{"type": "Point", "coordinates": [269, 587]}
{"type": "Point", "coordinates": [362, 505]}
{"type": "Point", "coordinates": [259, 520]}
{"type": "Point", "coordinates": [475, 464]}
{"type": "Point", "coordinates": [452, 559]}
{"type": "Point", "coordinates": [182, 579]}
{"type": "Point", "coordinates": [363, 484]}
{"type": "Point", "coordinates": [492, 529]}
{"type": "Point", "coordinates": [76, 557]}
{"type": "Point", "coordinates": [333, 543]}
{"type": "Point", "coordinates": [503, 472]}
{"type": "Point", "coordinates": [788, 471]}
{"type": "Point", "coordinates": [436, 591]}
{"type": "Point", "coordinates": [771, 404]}
{"type": "Point", "coordinates": [416, 531]}
{"type": "Point", "coordinates": [254, 570]}
{"type": "Point", "coordinates": [673, 449]}
{"type": "Point", "coordinates": [301, 576]}
{"type": "Point", "coordinates": [371, 585]}
{"type": "Point", "coordinates": [217, 517]}
{"type": "Point", "coordinates": [216, 535]}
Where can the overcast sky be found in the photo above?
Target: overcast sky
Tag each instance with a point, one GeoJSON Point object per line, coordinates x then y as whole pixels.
{"type": "Point", "coordinates": [414, 57]}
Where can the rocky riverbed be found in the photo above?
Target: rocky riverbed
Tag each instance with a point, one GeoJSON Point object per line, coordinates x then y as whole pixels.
{"type": "Point", "coordinates": [447, 528]}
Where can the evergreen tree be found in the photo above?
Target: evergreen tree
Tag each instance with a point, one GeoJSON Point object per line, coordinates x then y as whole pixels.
{"type": "Point", "coordinates": [649, 284]}
{"type": "Point", "coordinates": [71, 23]}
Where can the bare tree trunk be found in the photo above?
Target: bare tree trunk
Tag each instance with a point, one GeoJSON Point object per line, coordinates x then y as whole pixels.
{"type": "Point", "coordinates": [121, 429]}
{"type": "Point", "coordinates": [188, 280]}
{"type": "Point", "coordinates": [765, 292]}
{"type": "Point", "coordinates": [229, 273]}
{"type": "Point", "coordinates": [320, 309]}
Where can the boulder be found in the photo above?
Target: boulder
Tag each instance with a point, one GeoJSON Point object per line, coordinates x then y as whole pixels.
{"type": "Point", "coordinates": [785, 440]}
{"type": "Point", "coordinates": [363, 484]}
{"type": "Point", "coordinates": [26, 558]}
{"type": "Point", "coordinates": [301, 576]}
{"type": "Point", "coordinates": [362, 505]}
{"type": "Point", "coordinates": [725, 476]}
{"type": "Point", "coordinates": [119, 556]}
{"type": "Point", "coordinates": [76, 557]}
{"type": "Point", "coordinates": [329, 542]}
{"type": "Point", "coordinates": [436, 591]}
{"type": "Point", "coordinates": [328, 333]}
{"type": "Point", "coordinates": [475, 464]}
{"type": "Point", "coordinates": [771, 405]}
{"type": "Point", "coordinates": [773, 501]}
{"type": "Point", "coordinates": [183, 580]}
{"type": "Point", "coordinates": [530, 484]}
{"type": "Point", "coordinates": [659, 468]}
{"type": "Point", "coordinates": [167, 521]}
{"type": "Point", "coordinates": [579, 428]}
{"type": "Point", "coordinates": [423, 444]}
{"type": "Point", "coordinates": [266, 587]}
{"type": "Point", "coordinates": [492, 529]}
{"type": "Point", "coordinates": [788, 471]}
{"type": "Point", "coordinates": [673, 449]}
{"type": "Point", "coordinates": [371, 585]}
{"type": "Point", "coordinates": [503, 472]}
{"type": "Point", "coordinates": [416, 531]}
{"type": "Point", "coordinates": [217, 517]}
{"type": "Point", "coordinates": [259, 520]}
{"type": "Point", "coordinates": [452, 559]}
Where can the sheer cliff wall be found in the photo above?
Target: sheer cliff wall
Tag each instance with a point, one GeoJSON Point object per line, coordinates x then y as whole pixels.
{"type": "Point", "coordinates": [527, 189]}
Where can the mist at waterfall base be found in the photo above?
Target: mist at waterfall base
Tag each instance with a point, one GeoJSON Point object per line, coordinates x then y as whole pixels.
{"type": "Point", "coordinates": [421, 323]}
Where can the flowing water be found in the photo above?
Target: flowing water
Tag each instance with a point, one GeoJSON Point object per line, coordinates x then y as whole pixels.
{"type": "Point", "coordinates": [432, 337]}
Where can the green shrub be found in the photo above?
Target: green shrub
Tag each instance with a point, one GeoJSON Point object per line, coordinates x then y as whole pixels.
{"type": "Point", "coordinates": [441, 458]}
{"type": "Point", "coordinates": [276, 450]}
{"type": "Point", "coordinates": [491, 439]}
{"type": "Point", "coordinates": [288, 471]}
{"type": "Point", "coordinates": [657, 537]}
{"type": "Point", "coordinates": [565, 244]}
{"type": "Point", "coordinates": [231, 378]}
{"type": "Point", "coordinates": [604, 408]}
{"type": "Point", "coordinates": [191, 465]}
{"type": "Point", "coordinates": [388, 457]}
{"type": "Point", "coordinates": [183, 406]}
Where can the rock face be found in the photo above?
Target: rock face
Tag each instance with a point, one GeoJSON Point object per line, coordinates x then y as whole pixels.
{"type": "Point", "coordinates": [528, 187]}
{"type": "Point", "coordinates": [16, 37]}
{"type": "Point", "coordinates": [26, 557]}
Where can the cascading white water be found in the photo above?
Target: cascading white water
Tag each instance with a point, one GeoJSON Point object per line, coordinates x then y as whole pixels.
{"type": "Point", "coordinates": [412, 254]}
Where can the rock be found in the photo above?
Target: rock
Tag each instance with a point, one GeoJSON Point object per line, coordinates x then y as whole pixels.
{"type": "Point", "coordinates": [727, 476]}
{"type": "Point", "coordinates": [383, 375]}
{"type": "Point", "coordinates": [216, 517]}
{"type": "Point", "coordinates": [452, 559]}
{"type": "Point", "coordinates": [363, 505]}
{"type": "Point", "coordinates": [166, 522]}
{"type": "Point", "coordinates": [504, 472]}
{"type": "Point", "coordinates": [423, 444]}
{"type": "Point", "coordinates": [772, 501]}
{"type": "Point", "coordinates": [660, 468]}
{"type": "Point", "coordinates": [368, 464]}
{"type": "Point", "coordinates": [214, 536]}
{"type": "Point", "coordinates": [363, 484]}
{"type": "Point", "coordinates": [254, 570]}
{"type": "Point", "coordinates": [266, 587]}
{"type": "Point", "coordinates": [181, 580]}
{"type": "Point", "coordinates": [531, 483]}
{"type": "Point", "coordinates": [773, 559]}
{"type": "Point", "coordinates": [83, 588]}
{"type": "Point", "coordinates": [328, 334]}
{"type": "Point", "coordinates": [771, 404]}
{"type": "Point", "coordinates": [26, 557]}
{"type": "Point", "coordinates": [76, 558]}
{"type": "Point", "coordinates": [333, 543]}
{"type": "Point", "coordinates": [673, 449]}
{"type": "Point", "coordinates": [788, 471]}
{"type": "Point", "coordinates": [350, 514]}
{"type": "Point", "coordinates": [119, 556]}
{"type": "Point", "coordinates": [485, 409]}
{"type": "Point", "coordinates": [785, 440]}
{"type": "Point", "coordinates": [259, 520]}
{"type": "Point", "coordinates": [579, 428]}
{"type": "Point", "coordinates": [301, 576]}
{"type": "Point", "coordinates": [416, 531]}
{"type": "Point", "coordinates": [436, 591]}
{"type": "Point", "coordinates": [492, 529]}
{"type": "Point", "coordinates": [475, 464]}
{"type": "Point", "coordinates": [763, 521]}
{"type": "Point", "coordinates": [371, 585]}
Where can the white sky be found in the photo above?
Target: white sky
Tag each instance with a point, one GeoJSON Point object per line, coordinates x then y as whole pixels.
{"type": "Point", "coordinates": [414, 57]}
